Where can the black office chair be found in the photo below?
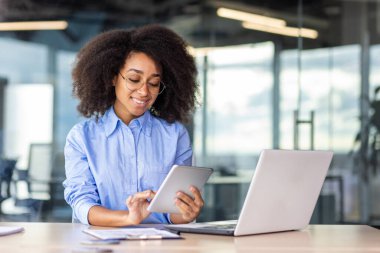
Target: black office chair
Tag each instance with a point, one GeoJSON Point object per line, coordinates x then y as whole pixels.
{"type": "Point", "coordinates": [8, 210]}
{"type": "Point", "coordinates": [7, 167]}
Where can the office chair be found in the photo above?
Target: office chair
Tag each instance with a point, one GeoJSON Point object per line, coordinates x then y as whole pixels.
{"type": "Point", "coordinates": [37, 179]}
{"type": "Point", "coordinates": [39, 172]}
{"type": "Point", "coordinates": [8, 211]}
{"type": "Point", "coordinates": [7, 167]}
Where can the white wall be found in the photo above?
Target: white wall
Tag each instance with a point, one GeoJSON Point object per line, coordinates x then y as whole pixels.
{"type": "Point", "coordinates": [28, 119]}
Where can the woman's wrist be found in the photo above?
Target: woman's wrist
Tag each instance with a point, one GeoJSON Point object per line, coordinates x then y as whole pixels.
{"type": "Point", "coordinates": [100, 216]}
{"type": "Point", "coordinates": [131, 221]}
{"type": "Point", "coordinates": [177, 218]}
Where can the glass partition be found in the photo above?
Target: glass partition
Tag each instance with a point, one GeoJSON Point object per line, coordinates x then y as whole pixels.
{"type": "Point", "coordinates": [257, 83]}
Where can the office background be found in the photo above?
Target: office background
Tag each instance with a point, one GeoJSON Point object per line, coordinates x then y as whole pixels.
{"type": "Point", "coordinates": [263, 84]}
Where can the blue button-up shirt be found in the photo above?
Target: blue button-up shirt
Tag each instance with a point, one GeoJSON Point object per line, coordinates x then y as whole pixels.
{"type": "Point", "coordinates": [107, 161]}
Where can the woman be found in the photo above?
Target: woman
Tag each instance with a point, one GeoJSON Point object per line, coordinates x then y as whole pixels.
{"type": "Point", "coordinates": [136, 86]}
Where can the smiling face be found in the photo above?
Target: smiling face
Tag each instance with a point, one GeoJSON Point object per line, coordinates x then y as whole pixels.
{"type": "Point", "coordinates": [131, 103]}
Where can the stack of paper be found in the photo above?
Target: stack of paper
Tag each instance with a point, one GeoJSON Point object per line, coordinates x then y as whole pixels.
{"type": "Point", "coordinates": [8, 230]}
{"type": "Point", "coordinates": [131, 234]}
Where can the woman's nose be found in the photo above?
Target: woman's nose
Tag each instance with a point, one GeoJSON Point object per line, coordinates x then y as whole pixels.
{"type": "Point", "coordinates": [144, 89]}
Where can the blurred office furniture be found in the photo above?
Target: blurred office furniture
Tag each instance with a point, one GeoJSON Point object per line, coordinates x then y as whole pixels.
{"type": "Point", "coordinates": [60, 210]}
{"type": "Point", "coordinates": [325, 210]}
{"type": "Point", "coordinates": [224, 196]}
{"type": "Point", "coordinates": [297, 123]}
{"type": "Point", "coordinates": [7, 167]}
{"type": "Point", "coordinates": [38, 194]}
{"type": "Point", "coordinates": [339, 180]}
{"type": "Point", "coordinates": [8, 202]}
{"type": "Point", "coordinates": [38, 175]}
{"type": "Point", "coordinates": [3, 83]}
{"type": "Point", "coordinates": [32, 196]}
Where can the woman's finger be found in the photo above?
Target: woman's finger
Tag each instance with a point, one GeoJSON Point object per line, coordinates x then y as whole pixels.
{"type": "Point", "coordinates": [139, 197]}
{"type": "Point", "coordinates": [129, 200]}
{"type": "Point", "coordinates": [144, 195]}
{"type": "Point", "coordinates": [198, 200]}
{"type": "Point", "coordinates": [185, 198]}
{"type": "Point", "coordinates": [183, 207]}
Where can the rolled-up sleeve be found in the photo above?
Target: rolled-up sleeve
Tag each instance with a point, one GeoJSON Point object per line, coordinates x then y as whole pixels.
{"type": "Point", "coordinates": [81, 192]}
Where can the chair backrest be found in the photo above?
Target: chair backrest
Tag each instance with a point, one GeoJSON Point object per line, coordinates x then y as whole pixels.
{"type": "Point", "coordinates": [40, 167]}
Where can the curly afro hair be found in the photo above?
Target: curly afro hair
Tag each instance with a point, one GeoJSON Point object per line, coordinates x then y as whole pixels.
{"type": "Point", "coordinates": [101, 59]}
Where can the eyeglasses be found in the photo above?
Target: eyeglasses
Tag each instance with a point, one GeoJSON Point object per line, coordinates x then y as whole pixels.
{"type": "Point", "coordinates": [155, 87]}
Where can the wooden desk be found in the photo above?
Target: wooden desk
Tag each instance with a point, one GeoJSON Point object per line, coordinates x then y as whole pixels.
{"type": "Point", "coordinates": [64, 237]}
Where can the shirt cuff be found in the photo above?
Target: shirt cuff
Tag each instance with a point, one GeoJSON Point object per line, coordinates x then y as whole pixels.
{"type": "Point", "coordinates": [168, 218]}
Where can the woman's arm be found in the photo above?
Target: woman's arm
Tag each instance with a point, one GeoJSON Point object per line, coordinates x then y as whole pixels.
{"type": "Point", "coordinates": [81, 191]}
{"type": "Point", "coordinates": [101, 216]}
{"type": "Point", "coordinates": [137, 205]}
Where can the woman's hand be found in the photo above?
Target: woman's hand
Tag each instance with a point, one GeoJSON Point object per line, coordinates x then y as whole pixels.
{"type": "Point", "coordinates": [189, 207]}
{"type": "Point", "coordinates": [137, 205]}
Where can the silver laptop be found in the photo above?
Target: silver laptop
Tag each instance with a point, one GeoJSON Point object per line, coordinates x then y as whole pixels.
{"type": "Point", "coordinates": [281, 197]}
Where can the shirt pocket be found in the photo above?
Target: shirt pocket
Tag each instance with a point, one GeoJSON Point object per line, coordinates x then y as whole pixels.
{"type": "Point", "coordinates": [153, 177]}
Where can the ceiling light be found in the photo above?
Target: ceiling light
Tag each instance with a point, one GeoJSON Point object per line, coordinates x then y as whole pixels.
{"type": "Point", "coordinates": [200, 51]}
{"type": "Point", "coordinates": [250, 17]}
{"type": "Point", "coordinates": [287, 31]}
{"type": "Point", "coordinates": [33, 25]}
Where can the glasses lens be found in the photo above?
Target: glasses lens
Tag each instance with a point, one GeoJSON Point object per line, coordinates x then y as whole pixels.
{"type": "Point", "coordinates": [134, 83]}
{"type": "Point", "coordinates": [154, 86]}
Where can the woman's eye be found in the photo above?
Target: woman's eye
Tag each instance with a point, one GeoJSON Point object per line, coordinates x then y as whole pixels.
{"type": "Point", "coordinates": [134, 80]}
{"type": "Point", "coordinates": [154, 84]}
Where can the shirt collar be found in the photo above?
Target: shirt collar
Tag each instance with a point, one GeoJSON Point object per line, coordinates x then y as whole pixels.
{"type": "Point", "coordinates": [145, 123]}
{"type": "Point", "coordinates": [110, 121]}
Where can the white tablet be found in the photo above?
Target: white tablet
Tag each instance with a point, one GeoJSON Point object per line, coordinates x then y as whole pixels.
{"type": "Point", "coordinates": [180, 178]}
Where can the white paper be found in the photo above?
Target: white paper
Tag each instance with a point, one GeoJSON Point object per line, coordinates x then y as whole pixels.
{"type": "Point", "coordinates": [131, 233]}
{"type": "Point", "coordinates": [8, 230]}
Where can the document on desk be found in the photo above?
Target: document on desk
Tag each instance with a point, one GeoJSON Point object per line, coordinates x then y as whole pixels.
{"type": "Point", "coordinates": [8, 230]}
{"type": "Point", "coordinates": [132, 234]}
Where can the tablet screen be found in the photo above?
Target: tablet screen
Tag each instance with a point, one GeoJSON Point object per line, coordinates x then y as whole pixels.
{"type": "Point", "coordinates": [180, 178]}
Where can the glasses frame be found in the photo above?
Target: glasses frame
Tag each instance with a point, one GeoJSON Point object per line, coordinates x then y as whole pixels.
{"type": "Point", "coordinates": [162, 84]}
